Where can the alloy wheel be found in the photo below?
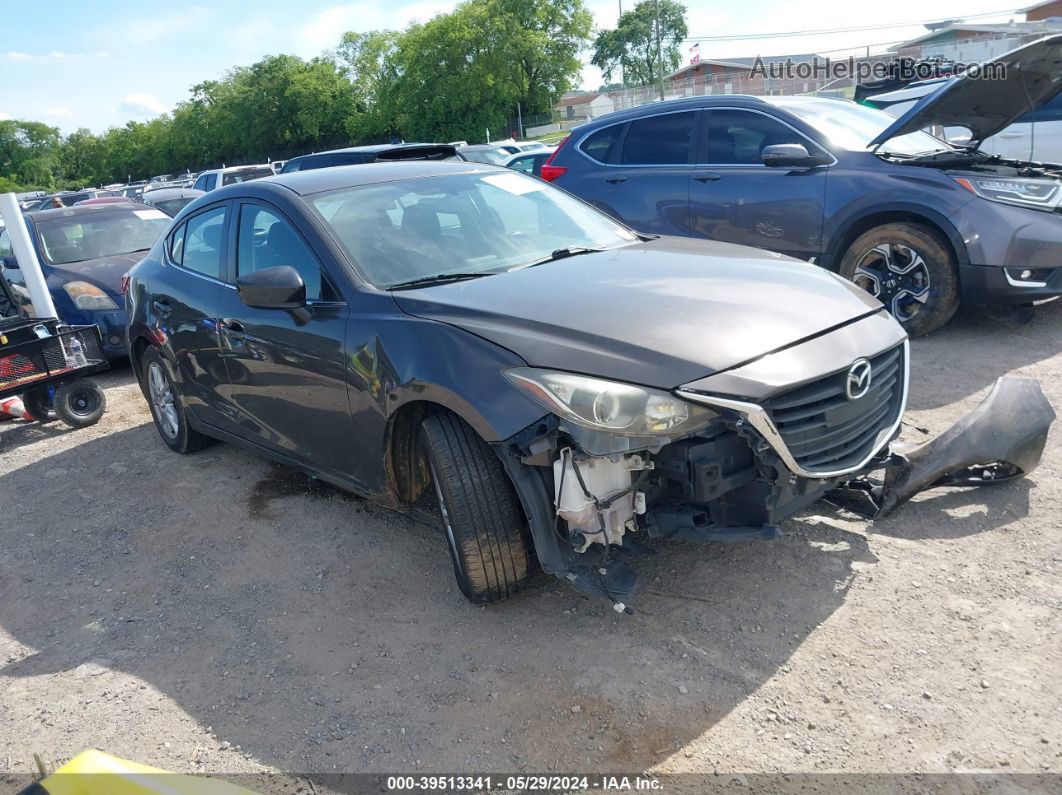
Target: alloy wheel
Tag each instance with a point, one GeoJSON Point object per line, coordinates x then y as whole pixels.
{"type": "Point", "coordinates": [896, 275]}
{"type": "Point", "coordinates": [162, 400]}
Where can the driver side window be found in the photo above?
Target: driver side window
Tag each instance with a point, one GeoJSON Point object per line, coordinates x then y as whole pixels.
{"type": "Point", "coordinates": [738, 137]}
{"type": "Point", "coordinates": [265, 240]}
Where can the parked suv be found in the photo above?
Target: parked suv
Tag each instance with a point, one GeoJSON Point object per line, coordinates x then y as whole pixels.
{"type": "Point", "coordinates": [917, 222]}
{"type": "Point", "coordinates": [220, 177]}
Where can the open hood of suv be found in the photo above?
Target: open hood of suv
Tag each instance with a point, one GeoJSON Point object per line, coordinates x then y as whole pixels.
{"type": "Point", "coordinates": [983, 104]}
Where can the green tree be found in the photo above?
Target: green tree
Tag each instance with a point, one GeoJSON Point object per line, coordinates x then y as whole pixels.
{"type": "Point", "coordinates": [639, 49]}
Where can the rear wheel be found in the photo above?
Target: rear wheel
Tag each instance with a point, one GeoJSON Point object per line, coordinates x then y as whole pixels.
{"type": "Point", "coordinates": [911, 269]}
{"type": "Point", "coordinates": [79, 403]}
{"type": "Point", "coordinates": [166, 408]}
{"type": "Point", "coordinates": [484, 526]}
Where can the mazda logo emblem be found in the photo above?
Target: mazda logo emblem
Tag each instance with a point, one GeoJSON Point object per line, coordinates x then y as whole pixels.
{"type": "Point", "coordinates": [857, 382]}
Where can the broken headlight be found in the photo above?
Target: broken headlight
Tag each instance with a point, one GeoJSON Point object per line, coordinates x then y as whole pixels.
{"type": "Point", "coordinates": [1043, 194]}
{"type": "Point", "coordinates": [609, 405]}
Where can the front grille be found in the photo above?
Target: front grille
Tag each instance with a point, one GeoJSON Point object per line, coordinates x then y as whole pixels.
{"type": "Point", "coordinates": [827, 432]}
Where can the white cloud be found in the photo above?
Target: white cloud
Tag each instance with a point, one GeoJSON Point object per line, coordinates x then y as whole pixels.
{"type": "Point", "coordinates": [102, 54]}
{"type": "Point", "coordinates": [17, 56]}
{"type": "Point", "coordinates": [57, 55]}
{"type": "Point", "coordinates": [142, 105]}
{"type": "Point", "coordinates": [57, 112]}
{"type": "Point", "coordinates": [5, 116]}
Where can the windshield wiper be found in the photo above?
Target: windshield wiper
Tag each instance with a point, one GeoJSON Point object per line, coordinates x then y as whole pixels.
{"type": "Point", "coordinates": [560, 253]}
{"type": "Point", "coordinates": [439, 278]}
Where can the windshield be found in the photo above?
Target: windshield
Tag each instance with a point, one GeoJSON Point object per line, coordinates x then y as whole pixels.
{"type": "Point", "coordinates": [84, 237]}
{"type": "Point", "coordinates": [460, 223]}
{"type": "Point", "coordinates": [246, 176]}
{"type": "Point", "coordinates": [851, 126]}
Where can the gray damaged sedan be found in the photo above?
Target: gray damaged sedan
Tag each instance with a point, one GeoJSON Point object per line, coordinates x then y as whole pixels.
{"type": "Point", "coordinates": [470, 341]}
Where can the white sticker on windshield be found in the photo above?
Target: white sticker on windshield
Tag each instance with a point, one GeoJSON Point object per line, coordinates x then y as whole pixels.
{"type": "Point", "coordinates": [150, 215]}
{"type": "Point", "coordinates": [513, 183]}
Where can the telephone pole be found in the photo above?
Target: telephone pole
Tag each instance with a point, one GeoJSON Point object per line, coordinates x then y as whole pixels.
{"type": "Point", "coordinates": [659, 57]}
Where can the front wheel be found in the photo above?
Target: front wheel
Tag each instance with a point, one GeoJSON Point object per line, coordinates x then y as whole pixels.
{"type": "Point", "coordinates": [911, 269]}
{"type": "Point", "coordinates": [484, 526]}
{"type": "Point", "coordinates": [80, 403]}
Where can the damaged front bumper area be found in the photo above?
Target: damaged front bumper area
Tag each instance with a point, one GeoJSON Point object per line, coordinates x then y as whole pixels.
{"type": "Point", "coordinates": [593, 500]}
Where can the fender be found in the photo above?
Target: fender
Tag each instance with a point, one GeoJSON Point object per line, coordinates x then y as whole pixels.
{"type": "Point", "coordinates": [831, 258]}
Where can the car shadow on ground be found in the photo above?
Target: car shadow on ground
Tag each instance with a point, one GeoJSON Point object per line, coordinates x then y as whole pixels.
{"type": "Point", "coordinates": [316, 631]}
{"type": "Point", "coordinates": [977, 347]}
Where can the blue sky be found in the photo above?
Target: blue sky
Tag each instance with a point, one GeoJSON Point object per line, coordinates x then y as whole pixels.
{"type": "Point", "coordinates": [75, 63]}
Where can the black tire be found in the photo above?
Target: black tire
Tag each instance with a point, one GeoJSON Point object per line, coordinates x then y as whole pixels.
{"type": "Point", "coordinates": [478, 509]}
{"type": "Point", "coordinates": [911, 269]}
{"type": "Point", "coordinates": [174, 429]}
{"type": "Point", "coordinates": [39, 404]}
{"type": "Point", "coordinates": [80, 402]}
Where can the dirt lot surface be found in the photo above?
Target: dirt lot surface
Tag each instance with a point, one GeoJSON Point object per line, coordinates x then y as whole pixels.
{"type": "Point", "coordinates": [213, 613]}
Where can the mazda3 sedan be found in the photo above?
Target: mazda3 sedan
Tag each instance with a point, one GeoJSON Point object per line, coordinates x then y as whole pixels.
{"type": "Point", "coordinates": [470, 344]}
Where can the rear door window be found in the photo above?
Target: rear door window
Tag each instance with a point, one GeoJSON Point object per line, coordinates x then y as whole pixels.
{"type": "Point", "coordinates": [198, 243]}
{"type": "Point", "coordinates": [661, 140]}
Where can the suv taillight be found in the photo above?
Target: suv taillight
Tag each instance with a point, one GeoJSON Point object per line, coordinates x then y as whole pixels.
{"type": "Point", "coordinates": [549, 171]}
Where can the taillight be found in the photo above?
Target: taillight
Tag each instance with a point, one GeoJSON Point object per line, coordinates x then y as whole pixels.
{"type": "Point", "coordinates": [550, 172]}
{"type": "Point", "coordinates": [123, 283]}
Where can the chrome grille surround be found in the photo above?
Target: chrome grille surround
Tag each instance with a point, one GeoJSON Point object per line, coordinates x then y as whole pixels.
{"type": "Point", "coordinates": [776, 420]}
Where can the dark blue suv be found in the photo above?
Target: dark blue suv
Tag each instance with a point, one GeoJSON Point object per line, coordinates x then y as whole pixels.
{"type": "Point", "coordinates": [919, 223]}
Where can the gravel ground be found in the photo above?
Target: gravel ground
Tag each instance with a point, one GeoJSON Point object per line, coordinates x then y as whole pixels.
{"type": "Point", "coordinates": [216, 614]}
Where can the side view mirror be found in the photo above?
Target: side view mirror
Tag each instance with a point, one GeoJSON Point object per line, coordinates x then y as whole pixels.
{"type": "Point", "coordinates": [791, 155]}
{"type": "Point", "coordinates": [272, 288]}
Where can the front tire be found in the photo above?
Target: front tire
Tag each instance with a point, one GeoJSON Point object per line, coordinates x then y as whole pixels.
{"type": "Point", "coordinates": [911, 269]}
{"type": "Point", "coordinates": [478, 507]}
{"type": "Point", "coordinates": [171, 421]}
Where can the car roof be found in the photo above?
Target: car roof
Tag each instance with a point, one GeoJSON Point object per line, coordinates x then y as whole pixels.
{"type": "Point", "coordinates": [86, 209]}
{"type": "Point", "coordinates": [320, 180]}
{"type": "Point", "coordinates": [231, 169]}
{"type": "Point", "coordinates": [671, 105]}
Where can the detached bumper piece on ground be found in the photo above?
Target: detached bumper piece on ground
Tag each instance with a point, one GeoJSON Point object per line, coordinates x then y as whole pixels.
{"type": "Point", "coordinates": [754, 466]}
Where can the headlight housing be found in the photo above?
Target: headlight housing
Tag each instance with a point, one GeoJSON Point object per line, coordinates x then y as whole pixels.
{"type": "Point", "coordinates": [619, 408]}
{"type": "Point", "coordinates": [89, 297]}
{"type": "Point", "coordinates": [1042, 194]}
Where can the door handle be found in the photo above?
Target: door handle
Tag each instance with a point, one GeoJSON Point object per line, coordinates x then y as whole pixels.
{"type": "Point", "coordinates": [708, 177]}
{"type": "Point", "coordinates": [615, 180]}
{"type": "Point", "coordinates": [233, 329]}
{"type": "Point", "coordinates": [162, 307]}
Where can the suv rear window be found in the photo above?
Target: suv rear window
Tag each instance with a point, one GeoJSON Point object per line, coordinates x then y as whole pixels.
{"type": "Point", "coordinates": [599, 145]}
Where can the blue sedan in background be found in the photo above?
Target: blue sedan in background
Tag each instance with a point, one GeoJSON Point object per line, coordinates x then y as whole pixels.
{"type": "Point", "coordinates": [84, 252]}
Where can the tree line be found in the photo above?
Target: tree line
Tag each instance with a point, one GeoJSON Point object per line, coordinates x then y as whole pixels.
{"type": "Point", "coordinates": [451, 78]}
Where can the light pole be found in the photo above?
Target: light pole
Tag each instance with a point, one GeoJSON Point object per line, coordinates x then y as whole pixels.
{"type": "Point", "coordinates": [659, 57]}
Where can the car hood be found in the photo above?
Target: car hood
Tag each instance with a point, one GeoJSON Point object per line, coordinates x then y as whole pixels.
{"type": "Point", "coordinates": [986, 105]}
{"type": "Point", "coordinates": [104, 272]}
{"type": "Point", "coordinates": [659, 313]}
